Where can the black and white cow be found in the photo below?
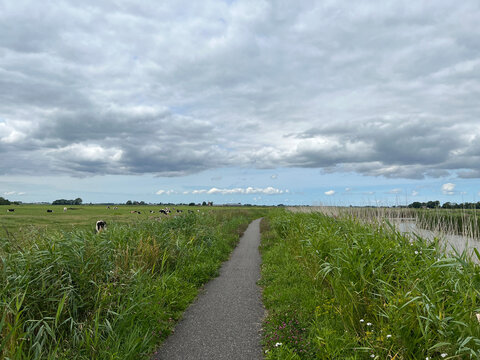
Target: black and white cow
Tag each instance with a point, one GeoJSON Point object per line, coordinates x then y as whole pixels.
{"type": "Point", "coordinates": [100, 225]}
{"type": "Point", "coordinates": [10, 210]}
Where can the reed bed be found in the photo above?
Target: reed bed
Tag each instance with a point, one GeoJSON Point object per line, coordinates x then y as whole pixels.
{"type": "Point", "coordinates": [338, 288]}
{"type": "Point", "coordinates": [464, 222]}
{"type": "Point", "coordinates": [115, 295]}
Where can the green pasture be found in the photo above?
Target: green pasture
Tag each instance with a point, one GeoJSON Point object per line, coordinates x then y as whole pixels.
{"type": "Point", "coordinates": [84, 217]}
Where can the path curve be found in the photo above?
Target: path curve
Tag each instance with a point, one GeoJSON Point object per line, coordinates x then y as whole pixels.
{"type": "Point", "coordinates": [225, 320]}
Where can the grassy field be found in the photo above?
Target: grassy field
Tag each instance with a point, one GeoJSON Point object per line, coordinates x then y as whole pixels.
{"type": "Point", "coordinates": [68, 293]}
{"type": "Point", "coordinates": [337, 288]}
{"type": "Point", "coordinates": [78, 217]}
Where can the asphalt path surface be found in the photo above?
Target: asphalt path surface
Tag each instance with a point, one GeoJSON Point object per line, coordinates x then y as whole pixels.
{"type": "Point", "coordinates": [225, 320]}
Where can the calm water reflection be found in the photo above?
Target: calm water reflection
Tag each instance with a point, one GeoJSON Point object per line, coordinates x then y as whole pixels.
{"type": "Point", "coordinates": [457, 242]}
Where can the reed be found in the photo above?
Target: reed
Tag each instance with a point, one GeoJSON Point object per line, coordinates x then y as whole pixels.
{"type": "Point", "coordinates": [464, 222]}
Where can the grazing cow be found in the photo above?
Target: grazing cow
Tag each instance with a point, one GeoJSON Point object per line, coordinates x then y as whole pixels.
{"type": "Point", "coordinates": [163, 211]}
{"type": "Point", "coordinates": [115, 207]}
{"type": "Point", "coordinates": [49, 210]}
{"type": "Point", "coordinates": [152, 211]}
{"type": "Point", "coordinates": [64, 209]}
{"type": "Point", "coordinates": [133, 211]}
{"type": "Point", "coordinates": [179, 211]}
{"type": "Point", "coordinates": [100, 225]}
{"type": "Point", "coordinates": [10, 210]}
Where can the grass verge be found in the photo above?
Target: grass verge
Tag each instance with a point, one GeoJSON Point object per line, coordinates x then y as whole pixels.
{"type": "Point", "coordinates": [338, 289]}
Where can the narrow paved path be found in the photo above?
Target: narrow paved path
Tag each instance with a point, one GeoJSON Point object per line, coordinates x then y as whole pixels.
{"type": "Point", "coordinates": [225, 320]}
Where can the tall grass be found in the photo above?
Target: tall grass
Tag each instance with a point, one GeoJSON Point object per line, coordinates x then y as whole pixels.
{"type": "Point", "coordinates": [464, 222]}
{"type": "Point", "coordinates": [115, 295]}
{"type": "Point", "coordinates": [451, 221]}
{"type": "Point", "coordinates": [337, 288]}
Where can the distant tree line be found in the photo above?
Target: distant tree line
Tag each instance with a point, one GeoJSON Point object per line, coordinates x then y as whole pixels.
{"type": "Point", "coordinates": [447, 205]}
{"type": "Point", "coordinates": [4, 201]}
{"type": "Point", "coordinates": [77, 201]}
{"type": "Point", "coordinates": [130, 202]}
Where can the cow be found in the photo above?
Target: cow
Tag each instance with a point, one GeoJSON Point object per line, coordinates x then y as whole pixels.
{"type": "Point", "coordinates": [10, 210]}
{"type": "Point", "coordinates": [179, 211]}
{"type": "Point", "coordinates": [100, 225]}
{"type": "Point", "coordinates": [49, 210]}
{"type": "Point", "coordinates": [163, 211]}
{"type": "Point", "coordinates": [133, 211]}
{"type": "Point", "coordinates": [64, 209]}
{"type": "Point", "coordinates": [152, 211]}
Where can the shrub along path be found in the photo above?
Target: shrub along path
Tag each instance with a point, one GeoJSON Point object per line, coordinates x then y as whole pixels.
{"type": "Point", "coordinates": [225, 320]}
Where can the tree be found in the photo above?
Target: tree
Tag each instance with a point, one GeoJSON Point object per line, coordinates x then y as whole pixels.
{"type": "Point", "coordinates": [4, 201]}
{"type": "Point", "coordinates": [204, 203]}
{"type": "Point", "coordinates": [129, 202]}
{"type": "Point", "coordinates": [77, 201]}
{"type": "Point", "coordinates": [433, 204]}
{"type": "Point", "coordinates": [415, 205]}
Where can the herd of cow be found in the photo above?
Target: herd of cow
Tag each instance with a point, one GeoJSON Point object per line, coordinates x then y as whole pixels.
{"type": "Point", "coordinates": [102, 225]}
{"type": "Point", "coordinates": [165, 211]}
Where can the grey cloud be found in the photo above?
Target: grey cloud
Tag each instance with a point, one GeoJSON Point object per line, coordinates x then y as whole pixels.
{"type": "Point", "coordinates": [411, 147]}
{"type": "Point", "coordinates": [175, 88]}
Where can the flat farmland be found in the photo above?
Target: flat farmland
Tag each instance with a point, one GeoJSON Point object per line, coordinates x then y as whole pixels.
{"type": "Point", "coordinates": [25, 218]}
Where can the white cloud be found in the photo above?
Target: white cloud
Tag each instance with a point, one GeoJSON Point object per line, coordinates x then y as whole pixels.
{"type": "Point", "coordinates": [165, 192]}
{"type": "Point", "coordinates": [448, 189]}
{"type": "Point", "coordinates": [414, 193]}
{"type": "Point", "coordinates": [395, 191]}
{"type": "Point", "coordinates": [9, 193]}
{"type": "Point", "coordinates": [243, 191]}
{"type": "Point", "coordinates": [330, 192]}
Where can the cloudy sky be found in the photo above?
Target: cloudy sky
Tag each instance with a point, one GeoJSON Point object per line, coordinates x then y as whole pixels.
{"type": "Point", "coordinates": [267, 102]}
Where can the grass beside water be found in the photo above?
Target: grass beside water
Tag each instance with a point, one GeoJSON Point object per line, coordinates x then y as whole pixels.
{"type": "Point", "coordinates": [338, 289]}
{"type": "Point", "coordinates": [76, 295]}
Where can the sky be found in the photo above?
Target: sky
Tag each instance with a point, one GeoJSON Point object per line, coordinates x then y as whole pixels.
{"type": "Point", "coordinates": [250, 101]}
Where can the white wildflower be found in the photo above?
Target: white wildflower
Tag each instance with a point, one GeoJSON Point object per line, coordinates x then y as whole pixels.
{"type": "Point", "coordinates": [369, 324]}
{"type": "Point", "coordinates": [389, 336]}
{"type": "Point", "coordinates": [443, 355]}
{"type": "Point", "coordinates": [278, 344]}
{"type": "Point", "coordinates": [416, 252]}
{"type": "Point", "coordinates": [361, 320]}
